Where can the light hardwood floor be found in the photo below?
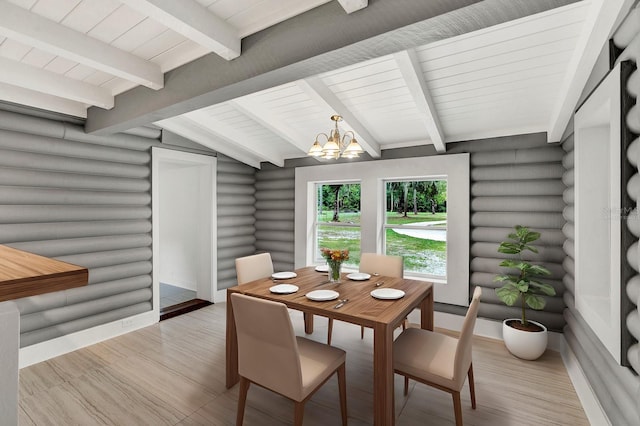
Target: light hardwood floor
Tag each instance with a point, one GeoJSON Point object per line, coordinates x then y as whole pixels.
{"type": "Point", "coordinates": [172, 373]}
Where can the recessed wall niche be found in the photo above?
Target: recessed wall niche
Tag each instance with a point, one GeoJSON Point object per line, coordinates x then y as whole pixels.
{"type": "Point", "coordinates": [599, 211]}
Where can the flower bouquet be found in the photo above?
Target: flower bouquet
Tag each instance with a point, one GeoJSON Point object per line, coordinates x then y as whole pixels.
{"type": "Point", "coordinates": [334, 257]}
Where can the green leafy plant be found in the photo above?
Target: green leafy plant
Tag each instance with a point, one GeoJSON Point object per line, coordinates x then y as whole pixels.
{"type": "Point", "coordinates": [523, 286]}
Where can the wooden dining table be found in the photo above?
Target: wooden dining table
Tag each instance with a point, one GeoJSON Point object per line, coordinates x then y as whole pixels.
{"type": "Point", "coordinates": [383, 316]}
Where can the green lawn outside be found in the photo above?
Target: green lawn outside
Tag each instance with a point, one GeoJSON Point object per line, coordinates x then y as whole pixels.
{"type": "Point", "coordinates": [393, 218]}
{"type": "Point", "coordinates": [420, 255]}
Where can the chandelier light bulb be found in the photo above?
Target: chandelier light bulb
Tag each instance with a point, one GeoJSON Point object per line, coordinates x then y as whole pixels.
{"type": "Point", "coordinates": [336, 146]}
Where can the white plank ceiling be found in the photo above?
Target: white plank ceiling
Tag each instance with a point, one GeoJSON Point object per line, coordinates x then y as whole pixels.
{"type": "Point", "coordinates": [519, 77]}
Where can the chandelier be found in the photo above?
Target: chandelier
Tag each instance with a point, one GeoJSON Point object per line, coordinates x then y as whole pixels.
{"type": "Point", "coordinates": [336, 147]}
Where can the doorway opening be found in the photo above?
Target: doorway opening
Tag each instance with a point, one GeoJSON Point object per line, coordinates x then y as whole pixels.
{"type": "Point", "coordinates": [184, 227]}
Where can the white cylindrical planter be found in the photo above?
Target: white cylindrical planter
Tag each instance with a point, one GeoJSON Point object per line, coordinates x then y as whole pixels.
{"type": "Point", "coordinates": [527, 345]}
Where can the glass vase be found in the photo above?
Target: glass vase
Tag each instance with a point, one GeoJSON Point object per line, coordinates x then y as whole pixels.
{"type": "Point", "coordinates": [334, 271]}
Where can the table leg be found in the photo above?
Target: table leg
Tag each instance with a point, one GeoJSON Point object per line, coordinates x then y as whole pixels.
{"type": "Point", "coordinates": [308, 322]}
{"type": "Point", "coordinates": [426, 312]}
{"type": "Point", "coordinates": [383, 404]}
{"type": "Point", "coordinates": [231, 347]}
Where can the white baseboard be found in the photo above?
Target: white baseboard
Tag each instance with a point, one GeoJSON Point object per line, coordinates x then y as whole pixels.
{"type": "Point", "coordinates": [39, 352]}
{"type": "Point", "coordinates": [592, 408]}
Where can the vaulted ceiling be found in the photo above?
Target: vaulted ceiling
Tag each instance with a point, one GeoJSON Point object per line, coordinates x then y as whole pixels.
{"type": "Point", "coordinates": [257, 80]}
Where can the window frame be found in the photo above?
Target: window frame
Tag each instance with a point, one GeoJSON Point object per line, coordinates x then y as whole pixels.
{"type": "Point", "coordinates": [372, 176]}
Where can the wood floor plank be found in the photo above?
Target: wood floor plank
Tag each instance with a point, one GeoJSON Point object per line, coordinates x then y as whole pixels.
{"type": "Point", "coordinates": [172, 373]}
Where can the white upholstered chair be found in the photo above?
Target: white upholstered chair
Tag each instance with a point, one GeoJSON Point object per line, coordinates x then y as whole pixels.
{"type": "Point", "coordinates": [438, 360]}
{"type": "Point", "coordinates": [272, 356]}
{"type": "Point", "coordinates": [250, 268]}
{"type": "Point", "coordinates": [373, 263]}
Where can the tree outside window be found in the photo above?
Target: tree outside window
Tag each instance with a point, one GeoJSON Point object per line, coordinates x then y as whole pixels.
{"type": "Point", "coordinates": [338, 219]}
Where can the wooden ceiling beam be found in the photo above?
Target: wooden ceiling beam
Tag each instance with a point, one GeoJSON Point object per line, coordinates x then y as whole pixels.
{"type": "Point", "coordinates": [414, 78]}
{"type": "Point", "coordinates": [22, 96]}
{"type": "Point", "coordinates": [270, 121]}
{"type": "Point", "coordinates": [351, 6]}
{"type": "Point", "coordinates": [191, 130]}
{"type": "Point", "coordinates": [194, 21]}
{"type": "Point", "coordinates": [25, 27]}
{"type": "Point", "coordinates": [50, 83]}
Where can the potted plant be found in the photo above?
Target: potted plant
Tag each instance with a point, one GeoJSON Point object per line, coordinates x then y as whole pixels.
{"type": "Point", "coordinates": [524, 338]}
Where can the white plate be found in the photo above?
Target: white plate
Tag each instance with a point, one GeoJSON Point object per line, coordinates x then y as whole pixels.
{"type": "Point", "coordinates": [284, 275]}
{"type": "Point", "coordinates": [322, 268]}
{"type": "Point", "coordinates": [358, 276]}
{"type": "Point", "coordinates": [387, 293]}
{"type": "Point", "coordinates": [322, 295]}
{"type": "Point", "coordinates": [284, 289]}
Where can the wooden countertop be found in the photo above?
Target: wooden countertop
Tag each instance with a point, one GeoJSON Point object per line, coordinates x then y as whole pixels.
{"type": "Point", "coordinates": [25, 274]}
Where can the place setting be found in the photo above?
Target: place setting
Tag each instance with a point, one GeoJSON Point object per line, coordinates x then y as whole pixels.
{"type": "Point", "coordinates": [387, 293]}
{"type": "Point", "coordinates": [283, 275]}
{"type": "Point", "coordinates": [322, 295]}
{"type": "Point", "coordinates": [283, 288]}
{"type": "Point", "coordinates": [322, 268]}
{"type": "Point", "coordinates": [358, 276]}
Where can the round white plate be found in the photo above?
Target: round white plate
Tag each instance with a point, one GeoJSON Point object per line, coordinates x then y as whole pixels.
{"type": "Point", "coordinates": [387, 293]}
{"type": "Point", "coordinates": [322, 268]}
{"type": "Point", "coordinates": [284, 288]}
{"type": "Point", "coordinates": [284, 275]}
{"type": "Point", "coordinates": [358, 276]}
{"type": "Point", "coordinates": [322, 295]}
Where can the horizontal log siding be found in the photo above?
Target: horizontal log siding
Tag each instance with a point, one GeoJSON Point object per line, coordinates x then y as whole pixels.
{"type": "Point", "coordinates": [236, 220]}
{"type": "Point", "coordinates": [275, 189]}
{"type": "Point", "coordinates": [517, 187]}
{"type": "Point", "coordinates": [617, 388]}
{"type": "Point", "coordinates": [84, 200]}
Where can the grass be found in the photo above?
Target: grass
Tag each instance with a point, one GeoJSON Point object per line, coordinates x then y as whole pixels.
{"type": "Point", "coordinates": [393, 218]}
{"type": "Point", "coordinates": [420, 255]}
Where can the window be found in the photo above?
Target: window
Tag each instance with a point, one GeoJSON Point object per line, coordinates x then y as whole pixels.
{"type": "Point", "coordinates": [338, 219]}
{"type": "Point", "coordinates": [450, 175]}
{"type": "Point", "coordinates": [415, 225]}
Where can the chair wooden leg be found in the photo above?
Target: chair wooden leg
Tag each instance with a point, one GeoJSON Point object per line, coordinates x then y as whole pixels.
{"type": "Point", "coordinates": [242, 399]}
{"type": "Point", "coordinates": [406, 385]}
{"type": "Point", "coordinates": [330, 331]}
{"type": "Point", "coordinates": [405, 324]}
{"type": "Point", "coordinates": [342, 387]}
{"type": "Point", "coordinates": [361, 332]}
{"type": "Point", "coordinates": [472, 387]}
{"type": "Point", "coordinates": [298, 414]}
{"type": "Point", "coordinates": [457, 407]}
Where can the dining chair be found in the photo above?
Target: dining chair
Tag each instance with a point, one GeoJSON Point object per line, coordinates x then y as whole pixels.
{"type": "Point", "coordinates": [381, 264]}
{"type": "Point", "coordinates": [272, 356]}
{"type": "Point", "coordinates": [250, 268]}
{"type": "Point", "coordinates": [439, 360]}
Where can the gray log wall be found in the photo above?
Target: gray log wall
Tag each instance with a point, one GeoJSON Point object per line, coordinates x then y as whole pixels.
{"type": "Point", "coordinates": [275, 189]}
{"type": "Point", "coordinates": [81, 199]}
{"type": "Point", "coordinates": [616, 387]}
{"type": "Point", "coordinates": [517, 185]}
{"type": "Point", "coordinates": [236, 187]}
